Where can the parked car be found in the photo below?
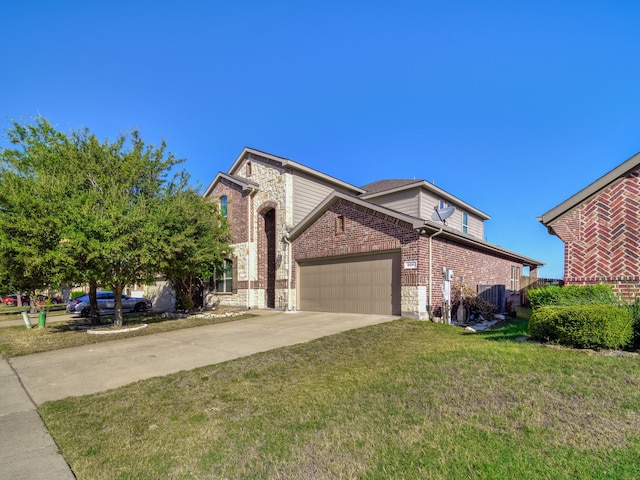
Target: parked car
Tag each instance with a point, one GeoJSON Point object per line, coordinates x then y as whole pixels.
{"type": "Point", "coordinates": [46, 298]}
{"type": "Point", "coordinates": [12, 300]}
{"type": "Point", "coordinates": [107, 304]}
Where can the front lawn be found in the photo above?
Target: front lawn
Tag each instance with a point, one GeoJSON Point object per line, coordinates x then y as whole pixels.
{"type": "Point", "coordinates": [404, 399]}
{"type": "Point", "coordinates": [18, 340]}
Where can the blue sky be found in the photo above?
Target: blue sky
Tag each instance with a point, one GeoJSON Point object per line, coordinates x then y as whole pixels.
{"type": "Point", "coordinates": [511, 106]}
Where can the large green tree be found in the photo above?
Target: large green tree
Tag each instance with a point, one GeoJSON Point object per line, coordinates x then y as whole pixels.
{"type": "Point", "coordinates": [117, 212]}
{"type": "Point", "coordinates": [192, 250]}
{"type": "Point", "coordinates": [30, 218]}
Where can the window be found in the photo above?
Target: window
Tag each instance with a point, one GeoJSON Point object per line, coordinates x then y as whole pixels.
{"type": "Point", "coordinates": [443, 204]}
{"type": "Point", "coordinates": [224, 278]}
{"type": "Point", "coordinates": [248, 169]}
{"type": "Point", "coordinates": [223, 205]}
{"type": "Point", "coordinates": [515, 278]}
{"type": "Point", "coordinates": [465, 222]}
{"type": "Point", "coordinates": [340, 224]}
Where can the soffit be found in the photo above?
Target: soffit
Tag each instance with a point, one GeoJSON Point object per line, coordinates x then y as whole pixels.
{"type": "Point", "coordinates": [592, 190]}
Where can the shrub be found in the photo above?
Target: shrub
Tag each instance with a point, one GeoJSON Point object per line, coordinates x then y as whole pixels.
{"type": "Point", "coordinates": [184, 303]}
{"type": "Point", "coordinates": [571, 295]}
{"type": "Point", "coordinates": [542, 323]}
{"type": "Point", "coordinates": [634, 310]}
{"type": "Point", "coordinates": [583, 326]}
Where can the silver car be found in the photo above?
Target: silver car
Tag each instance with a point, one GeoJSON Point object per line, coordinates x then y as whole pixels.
{"type": "Point", "coordinates": [107, 304]}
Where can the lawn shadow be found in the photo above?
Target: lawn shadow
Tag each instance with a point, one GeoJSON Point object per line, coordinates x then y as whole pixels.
{"type": "Point", "coordinates": [83, 324]}
{"type": "Point", "coordinates": [508, 331]}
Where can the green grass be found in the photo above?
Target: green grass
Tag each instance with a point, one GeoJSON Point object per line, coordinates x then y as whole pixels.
{"type": "Point", "coordinates": [405, 399]}
{"type": "Point", "coordinates": [18, 340]}
{"type": "Point", "coordinates": [15, 313]}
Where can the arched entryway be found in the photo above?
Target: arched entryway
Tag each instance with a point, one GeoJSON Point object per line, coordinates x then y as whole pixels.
{"type": "Point", "coordinates": [268, 255]}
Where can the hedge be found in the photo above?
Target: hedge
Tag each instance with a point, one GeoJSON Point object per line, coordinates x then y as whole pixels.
{"type": "Point", "coordinates": [571, 295]}
{"type": "Point", "coordinates": [583, 326]}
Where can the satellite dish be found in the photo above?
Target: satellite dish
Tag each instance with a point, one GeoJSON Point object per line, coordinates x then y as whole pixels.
{"type": "Point", "coordinates": [441, 214]}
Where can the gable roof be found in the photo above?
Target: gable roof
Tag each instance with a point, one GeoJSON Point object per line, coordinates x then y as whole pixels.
{"type": "Point", "coordinates": [244, 183]}
{"type": "Point", "coordinates": [592, 190]}
{"type": "Point", "coordinates": [286, 163]}
{"type": "Point", "coordinates": [333, 197]}
{"type": "Point", "coordinates": [418, 224]}
{"type": "Point", "coordinates": [385, 187]}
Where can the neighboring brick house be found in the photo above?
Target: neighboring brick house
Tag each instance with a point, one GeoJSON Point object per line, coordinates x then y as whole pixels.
{"type": "Point", "coordinates": [600, 228]}
{"type": "Point", "coordinates": [304, 240]}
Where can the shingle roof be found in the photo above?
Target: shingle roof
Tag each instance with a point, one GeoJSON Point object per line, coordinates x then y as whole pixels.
{"type": "Point", "coordinates": [243, 180]}
{"type": "Point", "coordinates": [382, 185]}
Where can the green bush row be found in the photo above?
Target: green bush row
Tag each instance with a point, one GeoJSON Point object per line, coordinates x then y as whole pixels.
{"type": "Point", "coordinates": [571, 295]}
{"type": "Point", "coordinates": [583, 326]}
{"type": "Point", "coordinates": [634, 309]}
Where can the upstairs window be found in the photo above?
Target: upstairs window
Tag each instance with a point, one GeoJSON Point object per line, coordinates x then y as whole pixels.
{"type": "Point", "coordinates": [465, 222]}
{"type": "Point", "coordinates": [442, 205]}
{"type": "Point", "coordinates": [223, 206]}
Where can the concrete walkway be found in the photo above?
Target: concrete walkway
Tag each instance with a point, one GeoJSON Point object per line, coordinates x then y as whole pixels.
{"type": "Point", "coordinates": [28, 451]}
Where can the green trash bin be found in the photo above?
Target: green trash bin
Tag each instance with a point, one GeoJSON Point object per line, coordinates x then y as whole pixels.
{"type": "Point", "coordinates": [42, 319]}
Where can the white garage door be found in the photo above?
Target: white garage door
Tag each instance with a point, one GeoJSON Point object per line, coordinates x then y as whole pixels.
{"type": "Point", "coordinates": [363, 284]}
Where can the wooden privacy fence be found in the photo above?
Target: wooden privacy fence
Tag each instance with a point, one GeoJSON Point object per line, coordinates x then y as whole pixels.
{"type": "Point", "coordinates": [494, 294]}
{"type": "Point", "coordinates": [527, 283]}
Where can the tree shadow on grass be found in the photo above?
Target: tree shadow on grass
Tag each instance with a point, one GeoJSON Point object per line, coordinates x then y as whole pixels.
{"type": "Point", "coordinates": [511, 329]}
{"type": "Point", "coordinates": [508, 331]}
{"type": "Point", "coordinates": [82, 324]}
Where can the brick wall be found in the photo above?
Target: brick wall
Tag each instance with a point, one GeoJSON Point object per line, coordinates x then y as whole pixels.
{"type": "Point", "coordinates": [476, 266]}
{"type": "Point", "coordinates": [602, 238]}
{"type": "Point", "coordinates": [247, 226]}
{"type": "Point", "coordinates": [367, 231]}
{"type": "Point", "coordinates": [236, 208]}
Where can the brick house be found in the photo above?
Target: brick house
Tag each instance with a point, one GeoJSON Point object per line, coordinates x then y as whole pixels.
{"type": "Point", "coordinates": [304, 240]}
{"type": "Point", "coordinates": [600, 228]}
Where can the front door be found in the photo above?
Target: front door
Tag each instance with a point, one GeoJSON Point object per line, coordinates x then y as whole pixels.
{"type": "Point", "coordinates": [270, 233]}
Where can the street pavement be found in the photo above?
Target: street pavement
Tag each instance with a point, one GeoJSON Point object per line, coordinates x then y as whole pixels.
{"type": "Point", "coordinates": [27, 451]}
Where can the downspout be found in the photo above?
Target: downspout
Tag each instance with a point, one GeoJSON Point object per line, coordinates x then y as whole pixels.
{"type": "Point", "coordinates": [431, 273]}
{"type": "Point", "coordinates": [289, 270]}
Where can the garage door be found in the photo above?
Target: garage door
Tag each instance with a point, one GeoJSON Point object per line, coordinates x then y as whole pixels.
{"type": "Point", "coordinates": [365, 284]}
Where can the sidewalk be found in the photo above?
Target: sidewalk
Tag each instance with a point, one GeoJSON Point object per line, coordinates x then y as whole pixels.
{"type": "Point", "coordinates": [27, 449]}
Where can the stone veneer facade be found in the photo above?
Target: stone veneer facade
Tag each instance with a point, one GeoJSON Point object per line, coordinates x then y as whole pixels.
{"type": "Point", "coordinates": [246, 220]}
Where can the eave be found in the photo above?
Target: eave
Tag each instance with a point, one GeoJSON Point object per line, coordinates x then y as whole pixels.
{"type": "Point", "coordinates": [290, 164]}
{"type": "Point", "coordinates": [420, 226]}
{"type": "Point", "coordinates": [243, 183]}
{"type": "Point", "coordinates": [590, 191]}
{"type": "Point", "coordinates": [440, 193]}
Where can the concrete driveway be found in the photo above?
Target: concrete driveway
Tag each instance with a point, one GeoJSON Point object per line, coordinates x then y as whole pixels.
{"type": "Point", "coordinates": [94, 368]}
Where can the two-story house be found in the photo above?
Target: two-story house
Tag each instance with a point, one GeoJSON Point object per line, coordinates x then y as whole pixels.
{"type": "Point", "coordinates": [304, 240]}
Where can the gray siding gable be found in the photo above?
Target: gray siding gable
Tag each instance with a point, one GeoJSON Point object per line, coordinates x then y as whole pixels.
{"type": "Point", "coordinates": [308, 193]}
{"type": "Point", "coordinates": [405, 201]}
{"type": "Point", "coordinates": [419, 202]}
